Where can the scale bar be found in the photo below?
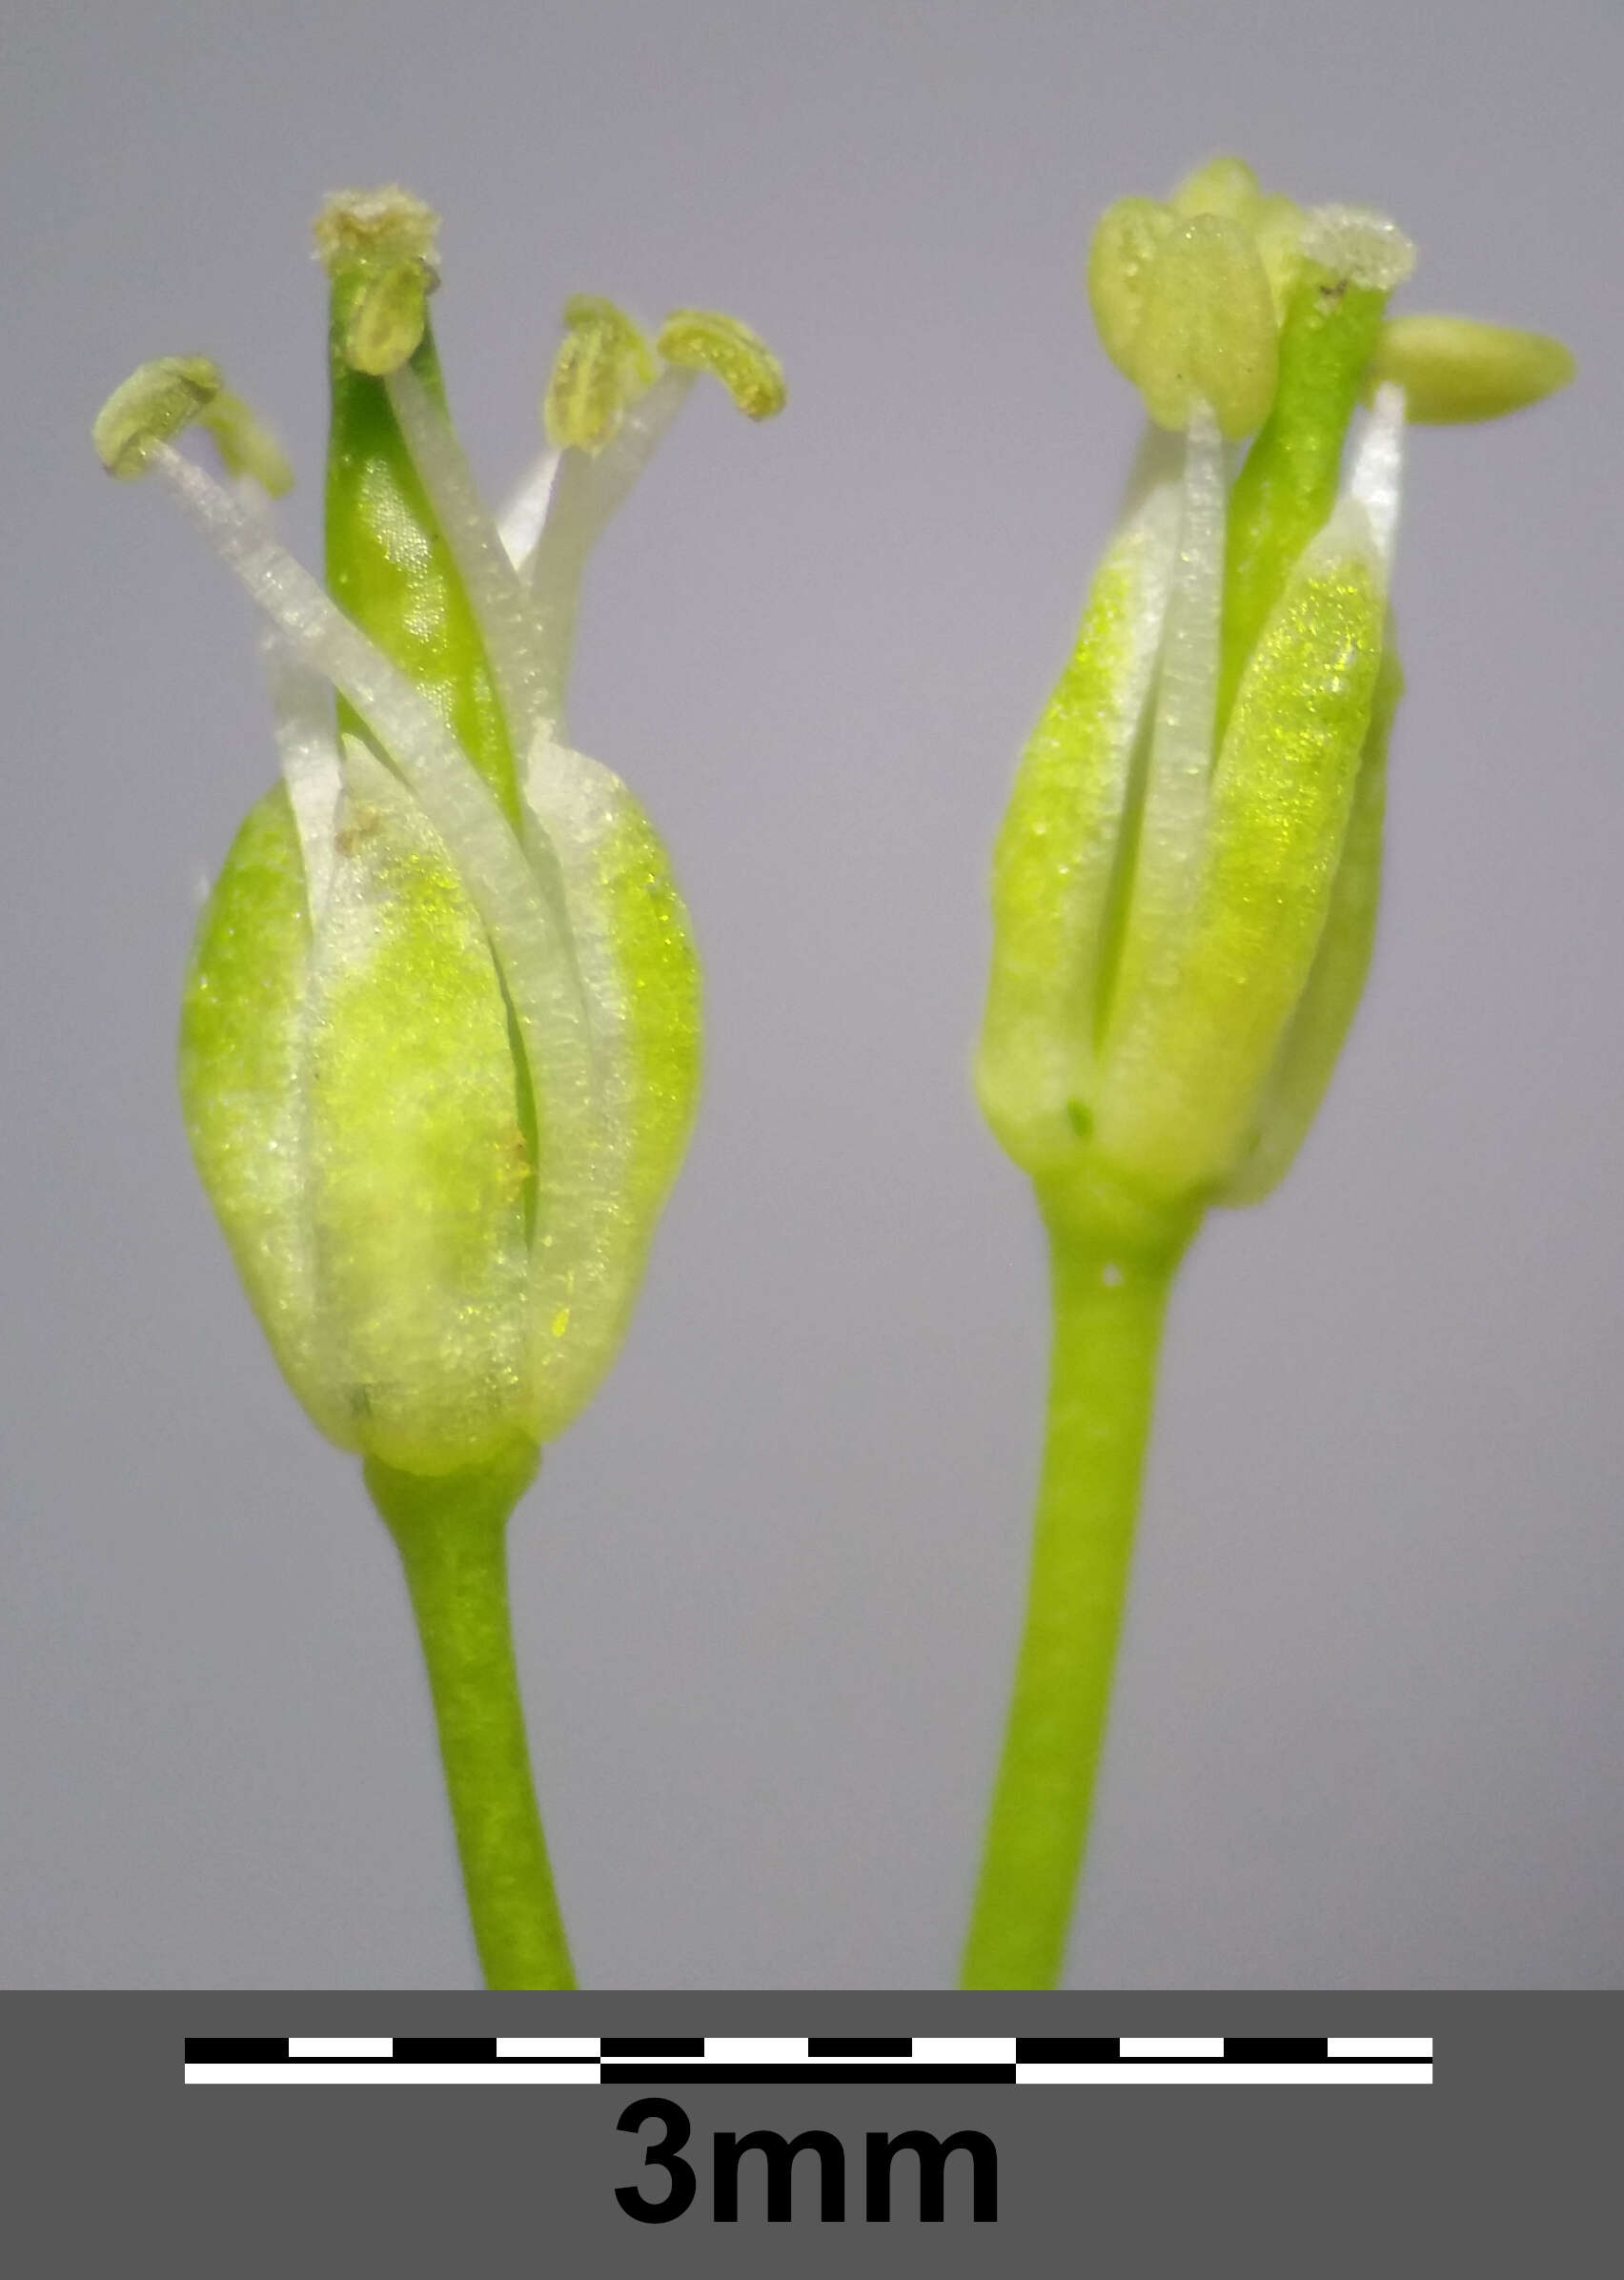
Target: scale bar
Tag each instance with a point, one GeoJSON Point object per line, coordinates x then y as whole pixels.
{"type": "Point", "coordinates": [1027, 2060]}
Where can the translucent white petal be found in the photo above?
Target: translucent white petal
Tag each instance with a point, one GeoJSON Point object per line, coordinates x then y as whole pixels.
{"type": "Point", "coordinates": [518, 525]}
{"type": "Point", "coordinates": [307, 746]}
{"type": "Point", "coordinates": [1173, 819]}
{"type": "Point", "coordinates": [1377, 477]}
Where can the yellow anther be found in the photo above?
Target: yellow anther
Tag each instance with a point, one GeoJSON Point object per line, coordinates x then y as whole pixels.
{"type": "Point", "coordinates": [1455, 368]}
{"type": "Point", "coordinates": [1129, 236]}
{"type": "Point", "coordinates": [603, 366]}
{"type": "Point", "coordinates": [156, 402]}
{"type": "Point", "coordinates": [389, 315]}
{"type": "Point", "coordinates": [1208, 330]}
{"type": "Point", "coordinates": [1224, 186]}
{"type": "Point", "coordinates": [367, 226]}
{"type": "Point", "coordinates": [706, 340]}
{"type": "Point", "coordinates": [245, 444]}
{"type": "Point", "coordinates": [1276, 226]}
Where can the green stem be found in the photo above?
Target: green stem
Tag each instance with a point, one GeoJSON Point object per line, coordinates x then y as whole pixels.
{"type": "Point", "coordinates": [1108, 1304]}
{"type": "Point", "coordinates": [450, 1531]}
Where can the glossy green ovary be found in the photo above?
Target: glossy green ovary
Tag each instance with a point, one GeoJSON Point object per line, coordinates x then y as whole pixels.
{"type": "Point", "coordinates": [1288, 485]}
{"type": "Point", "coordinates": [390, 569]}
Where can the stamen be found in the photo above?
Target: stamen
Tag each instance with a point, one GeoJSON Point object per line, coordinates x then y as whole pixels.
{"type": "Point", "coordinates": [1122, 254]}
{"type": "Point", "coordinates": [707, 340]}
{"type": "Point", "coordinates": [603, 366]}
{"type": "Point", "coordinates": [1225, 186]}
{"type": "Point", "coordinates": [585, 494]}
{"type": "Point", "coordinates": [246, 446]}
{"type": "Point", "coordinates": [1455, 368]}
{"type": "Point", "coordinates": [389, 317]}
{"type": "Point", "coordinates": [499, 600]}
{"type": "Point", "coordinates": [1377, 476]}
{"type": "Point", "coordinates": [1207, 330]}
{"type": "Point", "coordinates": [1277, 232]}
{"type": "Point", "coordinates": [156, 401]}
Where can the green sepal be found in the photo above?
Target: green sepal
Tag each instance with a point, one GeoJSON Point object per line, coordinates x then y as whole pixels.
{"type": "Point", "coordinates": [242, 1026]}
{"type": "Point", "coordinates": [639, 973]}
{"type": "Point", "coordinates": [1058, 854]}
{"type": "Point", "coordinates": [1190, 1061]}
{"type": "Point", "coordinates": [1318, 1029]}
{"type": "Point", "coordinates": [417, 1162]}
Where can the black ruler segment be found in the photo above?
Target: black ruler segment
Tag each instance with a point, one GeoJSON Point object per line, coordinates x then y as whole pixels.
{"type": "Point", "coordinates": [1276, 2049]}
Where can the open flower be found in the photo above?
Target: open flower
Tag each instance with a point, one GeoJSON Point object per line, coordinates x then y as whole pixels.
{"type": "Point", "coordinates": [440, 1038]}
{"type": "Point", "coordinates": [441, 1033]}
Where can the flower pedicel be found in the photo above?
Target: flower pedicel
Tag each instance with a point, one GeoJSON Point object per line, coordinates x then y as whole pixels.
{"type": "Point", "coordinates": [441, 1037]}
{"type": "Point", "coordinates": [1186, 882]}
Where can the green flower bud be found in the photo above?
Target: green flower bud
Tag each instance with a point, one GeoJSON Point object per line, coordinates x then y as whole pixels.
{"type": "Point", "coordinates": [440, 1034]}
{"type": "Point", "coordinates": [1186, 883]}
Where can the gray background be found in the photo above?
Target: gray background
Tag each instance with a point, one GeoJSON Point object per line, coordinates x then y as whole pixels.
{"type": "Point", "coordinates": [1369, 1714]}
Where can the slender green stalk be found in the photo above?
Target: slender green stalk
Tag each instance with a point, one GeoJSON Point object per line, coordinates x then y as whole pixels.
{"type": "Point", "coordinates": [1108, 1304]}
{"type": "Point", "coordinates": [452, 1534]}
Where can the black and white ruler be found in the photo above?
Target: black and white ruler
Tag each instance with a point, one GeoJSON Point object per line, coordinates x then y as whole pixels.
{"type": "Point", "coordinates": [526, 2061]}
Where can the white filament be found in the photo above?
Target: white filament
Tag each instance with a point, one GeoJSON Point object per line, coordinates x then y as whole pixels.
{"type": "Point", "coordinates": [585, 493]}
{"type": "Point", "coordinates": [498, 594]}
{"type": "Point", "coordinates": [1377, 477]}
{"type": "Point", "coordinates": [307, 746]}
